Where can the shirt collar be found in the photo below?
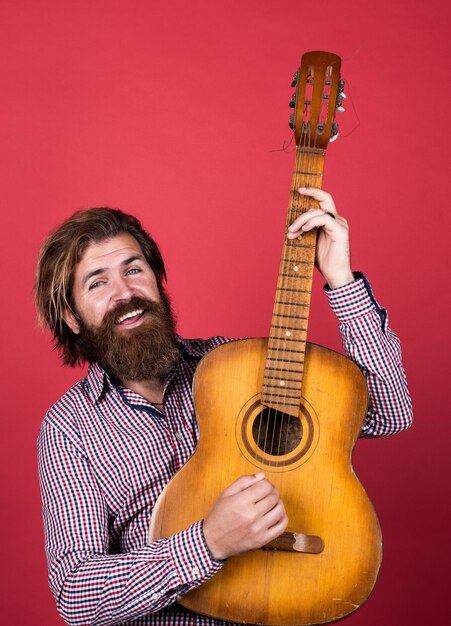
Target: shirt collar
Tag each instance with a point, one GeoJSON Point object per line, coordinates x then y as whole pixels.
{"type": "Point", "coordinates": [192, 347]}
{"type": "Point", "coordinates": [97, 381]}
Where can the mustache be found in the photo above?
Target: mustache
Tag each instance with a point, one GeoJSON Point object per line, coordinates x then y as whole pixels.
{"type": "Point", "coordinates": [110, 318]}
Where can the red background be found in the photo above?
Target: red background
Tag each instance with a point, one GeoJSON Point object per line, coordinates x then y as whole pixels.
{"type": "Point", "coordinates": [177, 111]}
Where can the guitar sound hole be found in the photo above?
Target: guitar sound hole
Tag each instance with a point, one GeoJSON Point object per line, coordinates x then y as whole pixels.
{"type": "Point", "coordinates": [275, 432]}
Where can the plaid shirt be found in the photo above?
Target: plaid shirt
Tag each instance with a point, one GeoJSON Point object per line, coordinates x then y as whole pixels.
{"type": "Point", "coordinates": [105, 454]}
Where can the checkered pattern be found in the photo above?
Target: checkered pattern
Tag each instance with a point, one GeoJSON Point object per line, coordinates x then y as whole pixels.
{"type": "Point", "coordinates": [368, 341]}
{"type": "Point", "coordinates": [105, 454]}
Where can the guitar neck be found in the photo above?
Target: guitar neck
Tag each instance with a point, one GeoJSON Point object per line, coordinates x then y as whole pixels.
{"type": "Point", "coordinates": [284, 369]}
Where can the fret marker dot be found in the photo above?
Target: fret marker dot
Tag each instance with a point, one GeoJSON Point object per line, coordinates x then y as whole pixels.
{"type": "Point", "coordinates": [296, 268]}
{"type": "Point", "coordinates": [288, 334]}
{"type": "Point", "coordinates": [282, 383]}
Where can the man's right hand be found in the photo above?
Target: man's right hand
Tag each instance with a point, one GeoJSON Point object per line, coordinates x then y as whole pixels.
{"type": "Point", "coordinates": [246, 516]}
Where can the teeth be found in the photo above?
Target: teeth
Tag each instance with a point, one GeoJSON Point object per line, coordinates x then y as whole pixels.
{"type": "Point", "coordinates": [128, 315]}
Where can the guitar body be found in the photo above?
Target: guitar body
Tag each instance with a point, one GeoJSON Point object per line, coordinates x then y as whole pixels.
{"type": "Point", "coordinates": [312, 471]}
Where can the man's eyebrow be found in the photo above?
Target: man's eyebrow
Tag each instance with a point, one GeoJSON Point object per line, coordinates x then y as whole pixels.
{"type": "Point", "coordinates": [132, 259]}
{"type": "Point", "coordinates": [101, 270]}
{"type": "Point", "coordinates": [91, 275]}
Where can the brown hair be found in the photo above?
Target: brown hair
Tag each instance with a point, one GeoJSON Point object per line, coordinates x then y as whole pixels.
{"type": "Point", "coordinates": [60, 255]}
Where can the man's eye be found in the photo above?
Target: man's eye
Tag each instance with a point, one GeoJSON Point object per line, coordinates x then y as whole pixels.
{"type": "Point", "coordinates": [96, 284]}
{"type": "Point", "coordinates": [133, 270]}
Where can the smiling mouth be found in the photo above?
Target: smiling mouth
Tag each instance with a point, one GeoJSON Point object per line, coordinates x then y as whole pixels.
{"type": "Point", "coordinates": [132, 316]}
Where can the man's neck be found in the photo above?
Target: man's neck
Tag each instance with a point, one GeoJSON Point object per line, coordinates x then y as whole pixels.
{"type": "Point", "coordinates": [150, 389]}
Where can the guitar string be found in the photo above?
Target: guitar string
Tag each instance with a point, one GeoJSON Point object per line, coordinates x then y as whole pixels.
{"type": "Point", "coordinates": [284, 417]}
{"type": "Point", "coordinates": [306, 166]}
{"type": "Point", "coordinates": [281, 419]}
{"type": "Point", "coordinates": [304, 163]}
{"type": "Point", "coordinates": [274, 417]}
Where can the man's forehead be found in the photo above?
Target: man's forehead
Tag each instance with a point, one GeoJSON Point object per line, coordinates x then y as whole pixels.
{"type": "Point", "coordinates": [118, 245]}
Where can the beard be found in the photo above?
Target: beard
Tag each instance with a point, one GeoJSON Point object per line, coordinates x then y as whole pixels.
{"type": "Point", "coordinates": [149, 350]}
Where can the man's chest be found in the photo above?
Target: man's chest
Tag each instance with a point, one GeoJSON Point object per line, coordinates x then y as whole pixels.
{"type": "Point", "coordinates": [133, 452]}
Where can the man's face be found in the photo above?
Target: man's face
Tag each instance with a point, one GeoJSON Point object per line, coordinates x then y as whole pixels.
{"type": "Point", "coordinates": [110, 273]}
{"type": "Point", "coordinates": [122, 320]}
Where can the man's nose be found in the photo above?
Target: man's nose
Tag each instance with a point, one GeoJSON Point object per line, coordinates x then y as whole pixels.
{"type": "Point", "coordinates": [121, 290]}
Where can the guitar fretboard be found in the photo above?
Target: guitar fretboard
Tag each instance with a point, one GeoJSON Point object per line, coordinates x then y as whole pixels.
{"type": "Point", "coordinates": [284, 368]}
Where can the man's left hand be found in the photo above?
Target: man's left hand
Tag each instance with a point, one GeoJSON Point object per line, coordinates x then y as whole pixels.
{"type": "Point", "coordinates": [332, 250]}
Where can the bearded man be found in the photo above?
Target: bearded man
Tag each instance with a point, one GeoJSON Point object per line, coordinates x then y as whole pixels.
{"type": "Point", "coordinates": [109, 446]}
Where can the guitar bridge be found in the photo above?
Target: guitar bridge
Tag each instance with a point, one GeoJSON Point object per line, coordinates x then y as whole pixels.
{"type": "Point", "coordinates": [296, 542]}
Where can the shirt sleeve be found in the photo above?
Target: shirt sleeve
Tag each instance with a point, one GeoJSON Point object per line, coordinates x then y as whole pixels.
{"type": "Point", "coordinates": [92, 586]}
{"type": "Point", "coordinates": [368, 340]}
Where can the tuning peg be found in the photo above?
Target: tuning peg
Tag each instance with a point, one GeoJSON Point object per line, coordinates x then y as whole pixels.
{"type": "Point", "coordinates": [295, 79]}
{"type": "Point", "coordinates": [338, 106]}
{"type": "Point", "coordinates": [292, 102]}
{"type": "Point", "coordinates": [291, 122]}
{"type": "Point", "coordinates": [334, 133]}
{"type": "Point", "coordinates": [341, 85]}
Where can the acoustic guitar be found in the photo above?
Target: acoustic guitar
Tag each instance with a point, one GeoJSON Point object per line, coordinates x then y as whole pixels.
{"type": "Point", "coordinates": [293, 410]}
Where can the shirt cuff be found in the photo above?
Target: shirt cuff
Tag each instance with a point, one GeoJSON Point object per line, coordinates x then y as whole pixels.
{"type": "Point", "coordinates": [191, 555]}
{"type": "Point", "coordinates": [354, 299]}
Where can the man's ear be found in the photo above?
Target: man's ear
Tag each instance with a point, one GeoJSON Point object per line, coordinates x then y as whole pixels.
{"type": "Point", "coordinates": [71, 321]}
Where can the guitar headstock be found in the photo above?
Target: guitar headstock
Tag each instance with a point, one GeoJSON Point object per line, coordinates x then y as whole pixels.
{"type": "Point", "coordinates": [319, 91]}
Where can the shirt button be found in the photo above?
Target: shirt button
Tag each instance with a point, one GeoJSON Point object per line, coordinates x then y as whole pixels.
{"type": "Point", "coordinates": [195, 571]}
{"type": "Point", "coordinates": [155, 596]}
{"type": "Point", "coordinates": [179, 436]}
